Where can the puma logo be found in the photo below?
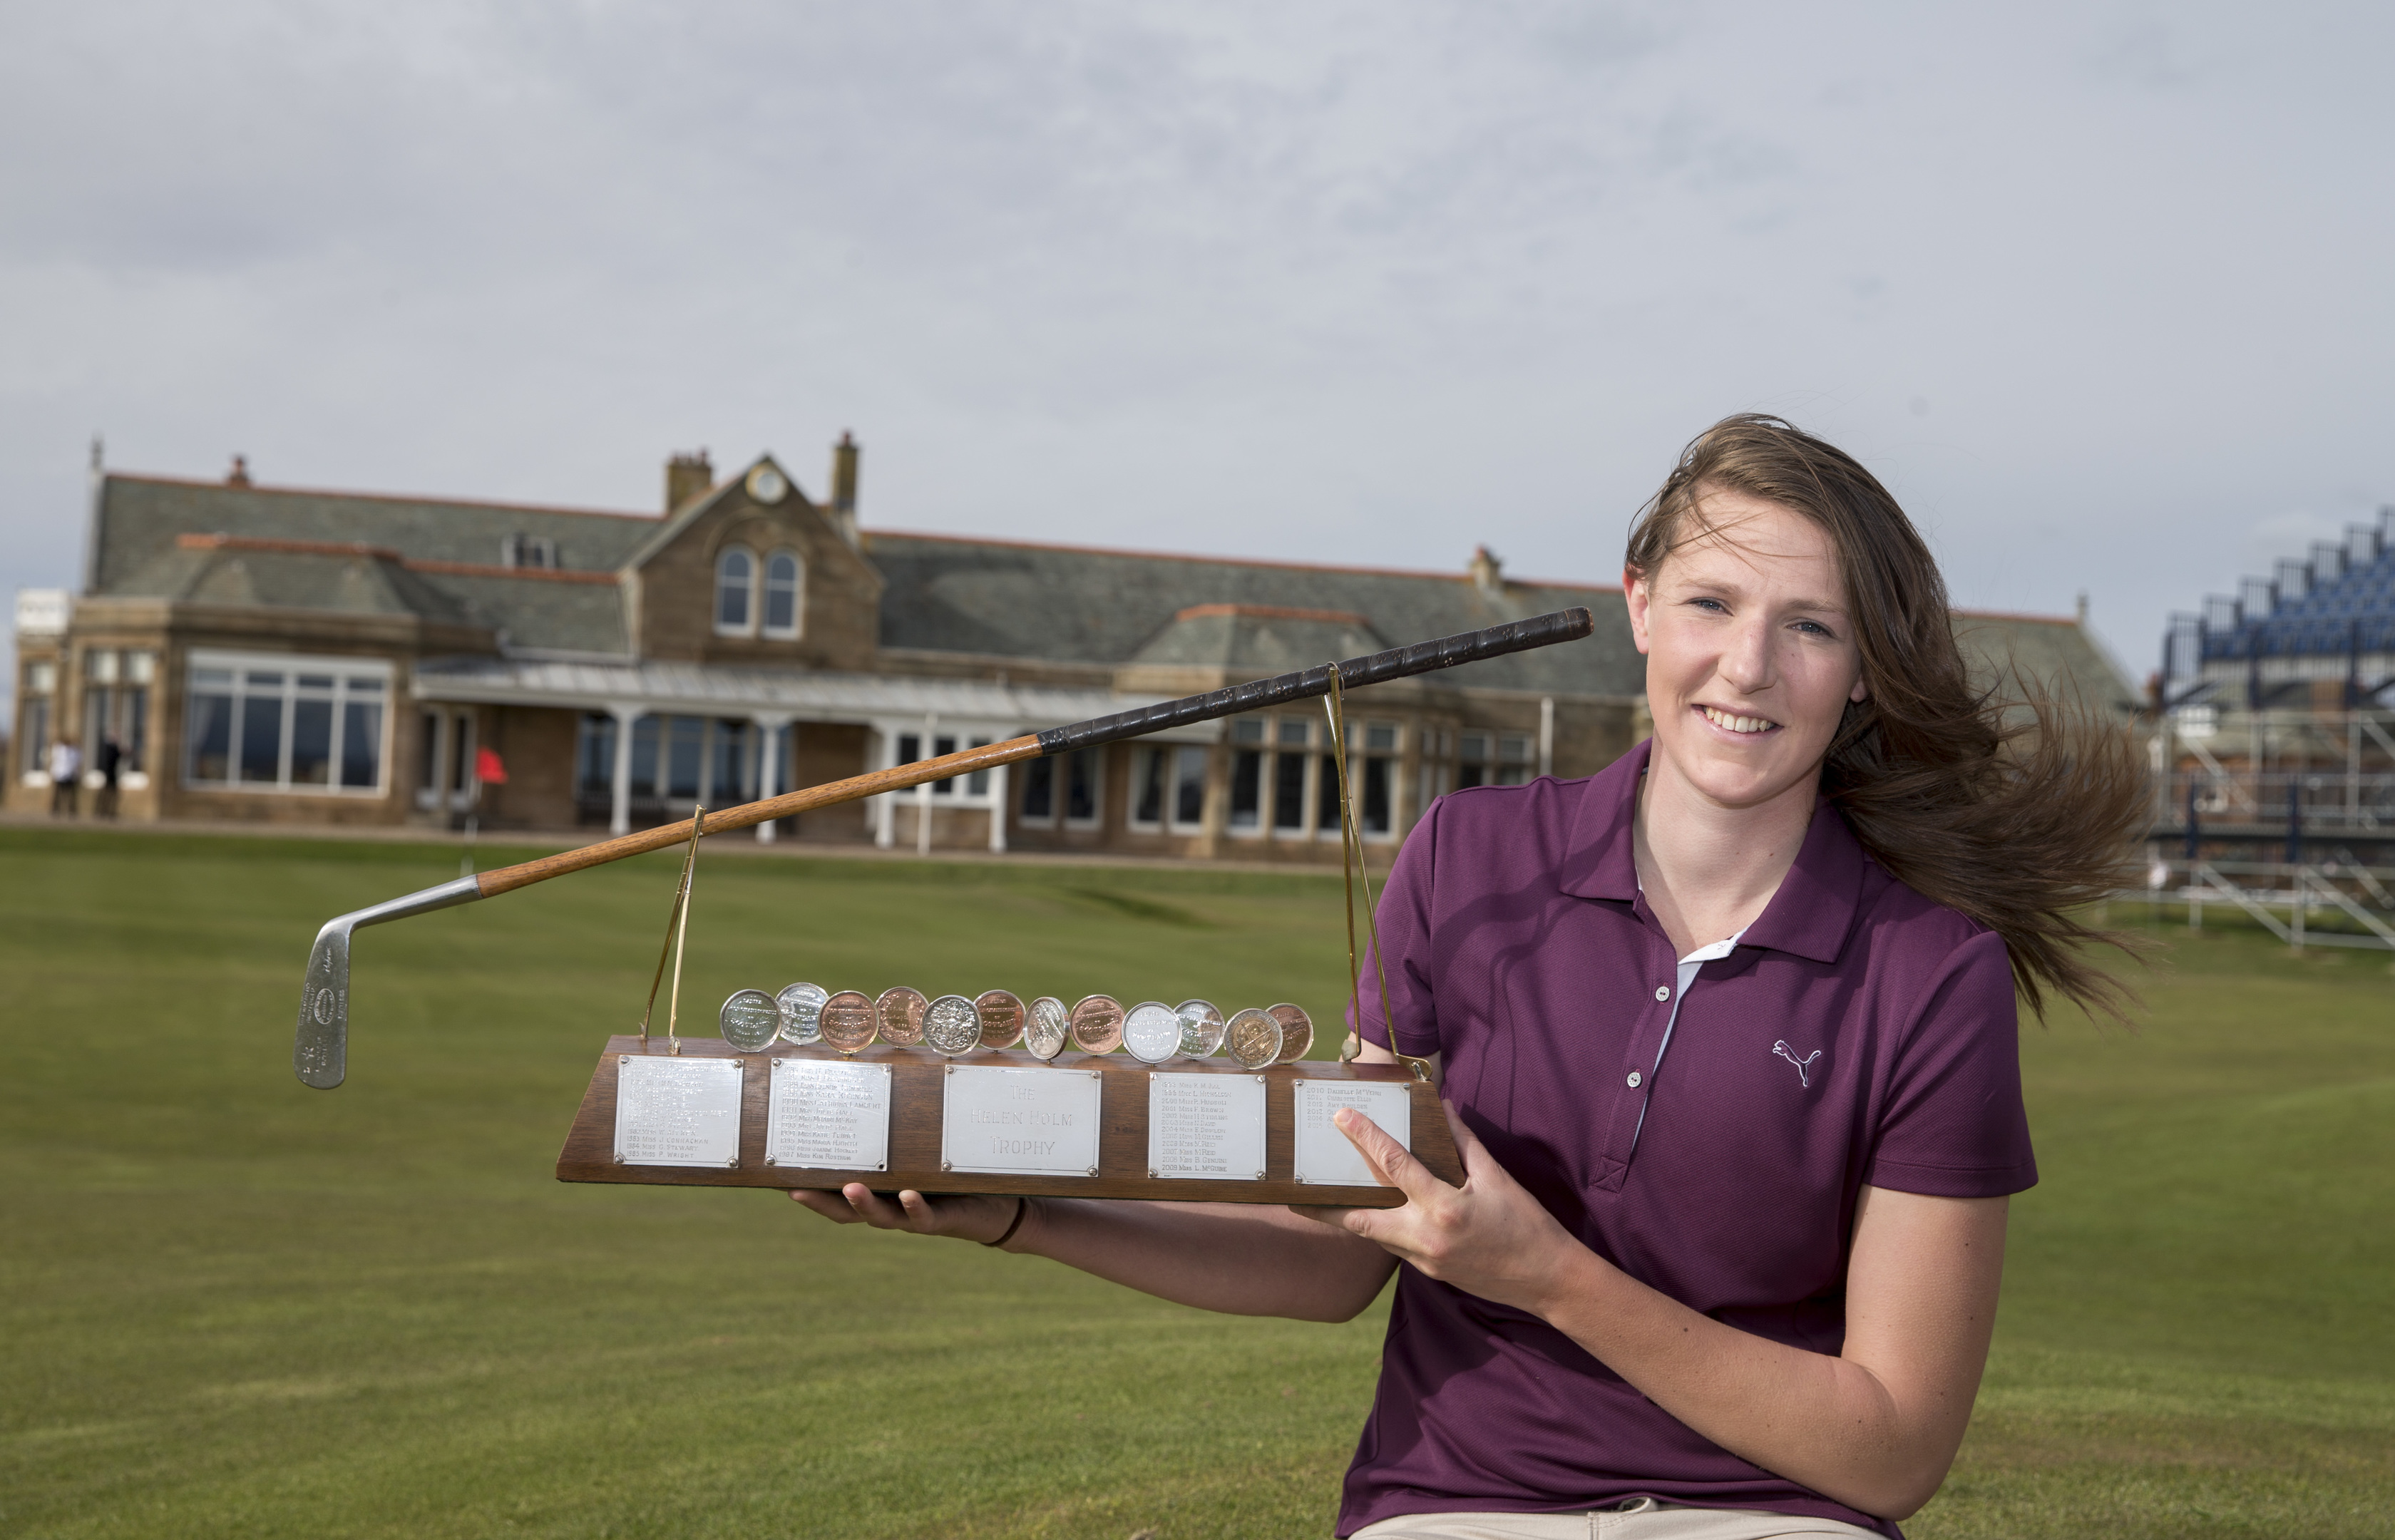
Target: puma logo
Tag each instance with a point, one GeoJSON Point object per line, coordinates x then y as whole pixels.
{"type": "Point", "coordinates": [1803, 1066]}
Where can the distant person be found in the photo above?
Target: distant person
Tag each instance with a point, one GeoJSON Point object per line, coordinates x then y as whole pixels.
{"type": "Point", "coordinates": [1727, 1037]}
{"type": "Point", "coordinates": [66, 772]}
{"type": "Point", "coordinates": [109, 758]}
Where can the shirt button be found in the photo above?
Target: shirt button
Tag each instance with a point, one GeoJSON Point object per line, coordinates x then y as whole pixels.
{"type": "Point", "coordinates": [1662, 991]}
{"type": "Point", "coordinates": [1634, 1079]}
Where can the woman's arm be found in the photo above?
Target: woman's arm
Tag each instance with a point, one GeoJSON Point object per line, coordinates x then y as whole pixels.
{"type": "Point", "coordinates": [1238, 1258]}
{"type": "Point", "coordinates": [1874, 1427]}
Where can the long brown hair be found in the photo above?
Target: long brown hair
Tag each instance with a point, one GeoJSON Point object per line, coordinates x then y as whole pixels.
{"type": "Point", "coordinates": [2005, 802]}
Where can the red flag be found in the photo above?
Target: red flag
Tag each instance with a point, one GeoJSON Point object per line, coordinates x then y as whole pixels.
{"type": "Point", "coordinates": [489, 768]}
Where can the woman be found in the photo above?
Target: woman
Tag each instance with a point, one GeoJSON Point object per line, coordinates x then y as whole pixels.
{"type": "Point", "coordinates": [1728, 1036]}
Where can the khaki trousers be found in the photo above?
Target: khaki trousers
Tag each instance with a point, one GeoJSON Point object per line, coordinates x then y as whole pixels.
{"type": "Point", "coordinates": [1646, 1519]}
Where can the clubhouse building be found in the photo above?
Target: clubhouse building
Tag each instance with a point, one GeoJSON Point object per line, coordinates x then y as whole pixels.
{"type": "Point", "coordinates": [276, 656]}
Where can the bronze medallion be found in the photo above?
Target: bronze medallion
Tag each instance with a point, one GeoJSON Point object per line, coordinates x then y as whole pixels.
{"type": "Point", "coordinates": [1151, 1033]}
{"type": "Point", "coordinates": [751, 1020]}
{"type": "Point", "coordinates": [1097, 1025]}
{"type": "Point", "coordinates": [1201, 1028]}
{"type": "Point", "coordinates": [1251, 1038]}
{"type": "Point", "coordinates": [1296, 1032]}
{"type": "Point", "coordinates": [902, 1015]}
{"type": "Point", "coordinates": [801, 1006]}
{"type": "Point", "coordinates": [1047, 1028]}
{"type": "Point", "coordinates": [1002, 1018]}
{"type": "Point", "coordinates": [847, 1021]}
{"type": "Point", "coordinates": [951, 1026]}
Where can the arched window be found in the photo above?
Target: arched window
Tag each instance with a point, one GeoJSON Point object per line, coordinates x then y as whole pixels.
{"type": "Point", "coordinates": [783, 574]}
{"type": "Point", "coordinates": [735, 599]}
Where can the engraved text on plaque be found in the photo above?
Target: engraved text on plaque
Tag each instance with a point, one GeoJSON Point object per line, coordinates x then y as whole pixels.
{"type": "Point", "coordinates": [1030, 1123]}
{"type": "Point", "coordinates": [677, 1111]}
{"type": "Point", "coordinates": [1324, 1156]}
{"type": "Point", "coordinates": [1206, 1126]}
{"type": "Point", "coordinates": [828, 1115]}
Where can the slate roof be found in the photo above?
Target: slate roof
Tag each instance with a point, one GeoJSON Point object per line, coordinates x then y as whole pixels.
{"type": "Point", "coordinates": [140, 548]}
{"type": "Point", "coordinates": [382, 555]}
{"type": "Point", "coordinates": [1075, 604]}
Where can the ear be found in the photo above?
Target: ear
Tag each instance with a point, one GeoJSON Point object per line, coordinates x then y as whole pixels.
{"type": "Point", "coordinates": [1861, 693]}
{"type": "Point", "coordinates": [1637, 594]}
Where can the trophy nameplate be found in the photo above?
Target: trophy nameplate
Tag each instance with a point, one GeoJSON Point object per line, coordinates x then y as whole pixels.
{"type": "Point", "coordinates": [828, 1115]}
{"type": "Point", "coordinates": [1323, 1155]}
{"type": "Point", "coordinates": [1206, 1127]}
{"type": "Point", "coordinates": [677, 1111]}
{"type": "Point", "coordinates": [1025, 1123]}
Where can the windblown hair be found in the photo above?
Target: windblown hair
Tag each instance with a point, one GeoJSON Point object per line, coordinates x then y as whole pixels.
{"type": "Point", "coordinates": [2000, 800]}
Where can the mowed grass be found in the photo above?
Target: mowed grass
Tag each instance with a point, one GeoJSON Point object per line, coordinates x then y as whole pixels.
{"type": "Point", "coordinates": [232, 1305]}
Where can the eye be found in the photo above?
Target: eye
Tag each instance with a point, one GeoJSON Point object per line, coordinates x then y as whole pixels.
{"type": "Point", "coordinates": [1711, 606]}
{"type": "Point", "coordinates": [1814, 627]}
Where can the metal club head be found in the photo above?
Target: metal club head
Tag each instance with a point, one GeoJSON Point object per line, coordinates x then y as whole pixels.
{"type": "Point", "coordinates": [320, 1053]}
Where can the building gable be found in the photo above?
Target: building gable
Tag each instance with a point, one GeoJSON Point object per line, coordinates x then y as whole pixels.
{"type": "Point", "coordinates": [761, 513]}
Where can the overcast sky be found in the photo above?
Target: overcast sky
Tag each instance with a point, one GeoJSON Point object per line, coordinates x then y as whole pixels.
{"type": "Point", "coordinates": [2102, 291]}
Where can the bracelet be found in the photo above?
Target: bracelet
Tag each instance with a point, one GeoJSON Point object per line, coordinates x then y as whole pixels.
{"type": "Point", "coordinates": [1022, 1207]}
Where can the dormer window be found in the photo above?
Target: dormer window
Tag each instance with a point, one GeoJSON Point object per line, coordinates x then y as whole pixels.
{"type": "Point", "coordinates": [528, 550]}
{"type": "Point", "coordinates": [735, 592]}
{"type": "Point", "coordinates": [783, 578]}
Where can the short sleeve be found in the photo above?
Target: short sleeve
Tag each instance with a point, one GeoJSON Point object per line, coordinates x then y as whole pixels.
{"type": "Point", "coordinates": [1952, 1123]}
{"type": "Point", "coordinates": [1404, 916]}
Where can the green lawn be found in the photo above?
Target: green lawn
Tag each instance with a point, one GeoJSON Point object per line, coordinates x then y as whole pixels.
{"type": "Point", "coordinates": [232, 1306]}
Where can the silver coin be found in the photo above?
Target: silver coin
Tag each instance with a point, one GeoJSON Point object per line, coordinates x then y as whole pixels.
{"type": "Point", "coordinates": [1201, 1027]}
{"type": "Point", "coordinates": [952, 1026]}
{"type": "Point", "coordinates": [803, 1012]}
{"type": "Point", "coordinates": [1296, 1032]}
{"type": "Point", "coordinates": [1251, 1038]}
{"type": "Point", "coordinates": [751, 1020]}
{"type": "Point", "coordinates": [1046, 1027]}
{"type": "Point", "coordinates": [1151, 1032]}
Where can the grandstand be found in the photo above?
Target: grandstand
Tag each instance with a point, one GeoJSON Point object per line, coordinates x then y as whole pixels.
{"type": "Point", "coordinates": [2277, 736]}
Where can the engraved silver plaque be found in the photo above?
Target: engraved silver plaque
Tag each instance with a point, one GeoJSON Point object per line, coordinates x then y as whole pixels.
{"type": "Point", "coordinates": [1151, 1033]}
{"type": "Point", "coordinates": [677, 1111]}
{"type": "Point", "coordinates": [1201, 1027]}
{"type": "Point", "coordinates": [1047, 1028]}
{"type": "Point", "coordinates": [751, 1020]}
{"type": "Point", "coordinates": [1206, 1126]}
{"type": "Point", "coordinates": [1029, 1123]}
{"type": "Point", "coordinates": [801, 1012]}
{"type": "Point", "coordinates": [828, 1115]}
{"type": "Point", "coordinates": [1324, 1156]}
{"type": "Point", "coordinates": [952, 1026]}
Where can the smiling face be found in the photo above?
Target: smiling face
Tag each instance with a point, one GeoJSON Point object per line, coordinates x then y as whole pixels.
{"type": "Point", "coordinates": [1751, 653]}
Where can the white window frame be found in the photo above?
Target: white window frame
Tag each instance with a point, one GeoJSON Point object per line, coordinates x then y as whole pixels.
{"type": "Point", "coordinates": [798, 595]}
{"type": "Point", "coordinates": [751, 592]}
{"type": "Point", "coordinates": [290, 666]}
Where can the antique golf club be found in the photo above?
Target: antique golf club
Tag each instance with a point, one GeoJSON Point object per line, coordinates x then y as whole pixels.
{"type": "Point", "coordinates": [320, 1053]}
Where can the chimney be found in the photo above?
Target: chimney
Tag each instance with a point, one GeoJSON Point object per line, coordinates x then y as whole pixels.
{"type": "Point", "coordinates": [238, 474]}
{"type": "Point", "coordinates": [687, 476]}
{"type": "Point", "coordinates": [2082, 606]}
{"type": "Point", "coordinates": [1488, 572]}
{"type": "Point", "coordinates": [843, 487]}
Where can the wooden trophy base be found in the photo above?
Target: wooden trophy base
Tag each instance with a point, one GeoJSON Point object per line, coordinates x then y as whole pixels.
{"type": "Point", "coordinates": [918, 1085]}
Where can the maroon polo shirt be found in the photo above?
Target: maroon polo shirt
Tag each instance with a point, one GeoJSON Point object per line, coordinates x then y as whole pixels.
{"type": "Point", "coordinates": [1859, 1033]}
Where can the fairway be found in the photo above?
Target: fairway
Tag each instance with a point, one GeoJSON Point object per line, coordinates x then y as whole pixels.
{"type": "Point", "coordinates": [229, 1305]}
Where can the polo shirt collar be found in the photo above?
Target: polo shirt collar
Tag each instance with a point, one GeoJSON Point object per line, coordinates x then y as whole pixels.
{"type": "Point", "coordinates": [1808, 917]}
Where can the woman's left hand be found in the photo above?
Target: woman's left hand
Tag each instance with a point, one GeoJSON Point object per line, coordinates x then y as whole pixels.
{"type": "Point", "coordinates": [1487, 1238]}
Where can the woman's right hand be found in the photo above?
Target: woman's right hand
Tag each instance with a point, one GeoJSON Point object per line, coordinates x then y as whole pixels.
{"type": "Point", "coordinates": [964, 1216]}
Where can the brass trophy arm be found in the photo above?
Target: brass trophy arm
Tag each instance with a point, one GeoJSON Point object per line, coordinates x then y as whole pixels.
{"type": "Point", "coordinates": [319, 1055]}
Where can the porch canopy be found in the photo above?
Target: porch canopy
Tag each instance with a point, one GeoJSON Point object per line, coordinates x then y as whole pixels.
{"type": "Point", "coordinates": [773, 699]}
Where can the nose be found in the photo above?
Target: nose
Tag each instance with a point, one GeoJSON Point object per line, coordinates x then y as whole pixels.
{"type": "Point", "coordinates": [1747, 664]}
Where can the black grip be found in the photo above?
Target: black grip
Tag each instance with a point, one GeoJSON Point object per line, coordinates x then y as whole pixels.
{"type": "Point", "coordinates": [1540, 630]}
